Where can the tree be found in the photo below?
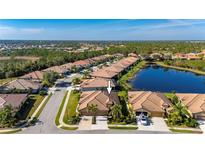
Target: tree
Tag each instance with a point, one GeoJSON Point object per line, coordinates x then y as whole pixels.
{"type": "Point", "coordinates": [93, 108]}
{"type": "Point", "coordinates": [180, 114]}
{"type": "Point", "coordinates": [86, 74]}
{"type": "Point", "coordinates": [76, 81]}
{"type": "Point", "coordinates": [7, 117]}
{"type": "Point", "coordinates": [49, 78]}
{"type": "Point", "coordinates": [116, 112]}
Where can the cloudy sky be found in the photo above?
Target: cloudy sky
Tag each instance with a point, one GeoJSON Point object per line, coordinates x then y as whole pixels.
{"type": "Point", "coordinates": [102, 29]}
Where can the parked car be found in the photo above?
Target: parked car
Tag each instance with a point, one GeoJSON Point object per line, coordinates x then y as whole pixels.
{"type": "Point", "coordinates": [143, 120]}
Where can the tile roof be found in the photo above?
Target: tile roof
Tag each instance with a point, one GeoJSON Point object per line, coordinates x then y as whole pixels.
{"type": "Point", "coordinates": [101, 98]}
{"type": "Point", "coordinates": [23, 84]}
{"type": "Point", "coordinates": [57, 69]}
{"type": "Point", "coordinates": [147, 100]}
{"type": "Point", "coordinates": [194, 102]}
{"type": "Point", "coordinates": [104, 74]}
{"type": "Point", "coordinates": [14, 100]}
{"type": "Point", "coordinates": [36, 75]}
{"type": "Point", "coordinates": [96, 82]}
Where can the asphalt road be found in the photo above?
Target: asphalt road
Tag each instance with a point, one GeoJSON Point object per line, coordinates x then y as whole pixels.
{"type": "Point", "coordinates": [46, 124]}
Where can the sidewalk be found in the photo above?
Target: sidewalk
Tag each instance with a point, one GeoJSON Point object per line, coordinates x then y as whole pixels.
{"type": "Point", "coordinates": [39, 107]}
{"type": "Point", "coordinates": [62, 123]}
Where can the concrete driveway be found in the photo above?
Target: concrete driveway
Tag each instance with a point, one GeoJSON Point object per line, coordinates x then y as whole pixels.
{"type": "Point", "coordinates": [85, 123]}
{"type": "Point", "coordinates": [101, 123]}
{"type": "Point", "coordinates": [157, 124]}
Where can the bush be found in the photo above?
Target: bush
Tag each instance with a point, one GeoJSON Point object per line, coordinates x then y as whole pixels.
{"type": "Point", "coordinates": [43, 92]}
{"type": "Point", "coordinates": [74, 119]}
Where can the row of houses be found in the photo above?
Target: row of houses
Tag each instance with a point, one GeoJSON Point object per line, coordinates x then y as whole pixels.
{"type": "Point", "coordinates": [16, 92]}
{"type": "Point", "coordinates": [149, 103]}
{"type": "Point", "coordinates": [94, 90]}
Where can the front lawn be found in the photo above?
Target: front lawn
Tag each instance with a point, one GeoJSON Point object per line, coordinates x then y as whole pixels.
{"type": "Point", "coordinates": [70, 112]}
{"type": "Point", "coordinates": [60, 109]}
{"type": "Point", "coordinates": [128, 127]}
{"type": "Point", "coordinates": [29, 107]}
{"type": "Point", "coordinates": [186, 131]}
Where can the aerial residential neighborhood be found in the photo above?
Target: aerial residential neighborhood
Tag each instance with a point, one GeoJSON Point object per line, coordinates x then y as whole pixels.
{"type": "Point", "coordinates": [111, 87]}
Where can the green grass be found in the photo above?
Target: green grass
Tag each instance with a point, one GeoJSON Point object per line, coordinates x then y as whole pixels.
{"type": "Point", "coordinates": [123, 81]}
{"type": "Point", "coordinates": [196, 71]}
{"type": "Point", "coordinates": [69, 128]}
{"type": "Point", "coordinates": [60, 109]}
{"type": "Point", "coordinates": [12, 131]}
{"type": "Point", "coordinates": [42, 107]}
{"type": "Point", "coordinates": [185, 131]}
{"type": "Point", "coordinates": [37, 101]}
{"type": "Point", "coordinates": [29, 107]}
{"type": "Point", "coordinates": [123, 127]}
{"type": "Point", "coordinates": [3, 81]}
{"type": "Point", "coordinates": [71, 106]}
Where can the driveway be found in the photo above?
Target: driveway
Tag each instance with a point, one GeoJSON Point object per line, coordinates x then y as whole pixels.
{"type": "Point", "coordinates": [202, 125]}
{"type": "Point", "coordinates": [85, 123]}
{"type": "Point", "coordinates": [157, 124]}
{"type": "Point", "coordinates": [101, 123]}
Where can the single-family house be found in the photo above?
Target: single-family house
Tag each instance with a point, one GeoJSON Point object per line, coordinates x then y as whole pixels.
{"type": "Point", "coordinates": [101, 99]}
{"type": "Point", "coordinates": [148, 103]}
{"type": "Point", "coordinates": [13, 100]}
{"type": "Point", "coordinates": [23, 85]}
{"type": "Point", "coordinates": [195, 103]}
{"type": "Point", "coordinates": [97, 84]}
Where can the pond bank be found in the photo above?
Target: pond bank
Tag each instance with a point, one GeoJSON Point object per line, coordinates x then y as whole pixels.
{"type": "Point", "coordinates": [124, 80]}
{"type": "Point", "coordinates": [180, 68]}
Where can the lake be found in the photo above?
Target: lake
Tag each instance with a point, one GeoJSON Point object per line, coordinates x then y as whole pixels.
{"type": "Point", "coordinates": [157, 78]}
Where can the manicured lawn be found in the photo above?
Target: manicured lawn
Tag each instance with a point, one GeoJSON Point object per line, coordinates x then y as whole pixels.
{"type": "Point", "coordinates": [133, 127]}
{"type": "Point", "coordinates": [69, 128]}
{"type": "Point", "coordinates": [44, 104]}
{"type": "Point", "coordinates": [60, 110]}
{"type": "Point", "coordinates": [186, 131]}
{"type": "Point", "coordinates": [12, 131]}
{"type": "Point", "coordinates": [37, 101]}
{"type": "Point", "coordinates": [71, 106]}
{"type": "Point", "coordinates": [29, 107]}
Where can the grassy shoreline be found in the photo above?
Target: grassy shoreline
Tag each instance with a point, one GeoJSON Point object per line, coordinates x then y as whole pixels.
{"type": "Point", "coordinates": [181, 68]}
{"type": "Point", "coordinates": [123, 81]}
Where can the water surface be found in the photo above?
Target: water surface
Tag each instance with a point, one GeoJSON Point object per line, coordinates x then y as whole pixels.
{"type": "Point", "coordinates": [157, 78]}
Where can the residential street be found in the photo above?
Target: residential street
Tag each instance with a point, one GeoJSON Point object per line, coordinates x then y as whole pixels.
{"type": "Point", "coordinates": [47, 117]}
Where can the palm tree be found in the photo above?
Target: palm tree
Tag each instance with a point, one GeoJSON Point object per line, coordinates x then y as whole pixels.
{"type": "Point", "coordinates": [76, 81]}
{"type": "Point", "coordinates": [86, 74]}
{"type": "Point", "coordinates": [93, 108]}
{"type": "Point", "coordinates": [116, 112]}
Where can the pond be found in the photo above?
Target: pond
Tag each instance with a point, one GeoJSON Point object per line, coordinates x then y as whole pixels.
{"type": "Point", "coordinates": [157, 78]}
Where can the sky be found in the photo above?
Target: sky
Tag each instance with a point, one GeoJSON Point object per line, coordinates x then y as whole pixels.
{"type": "Point", "coordinates": [102, 29]}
